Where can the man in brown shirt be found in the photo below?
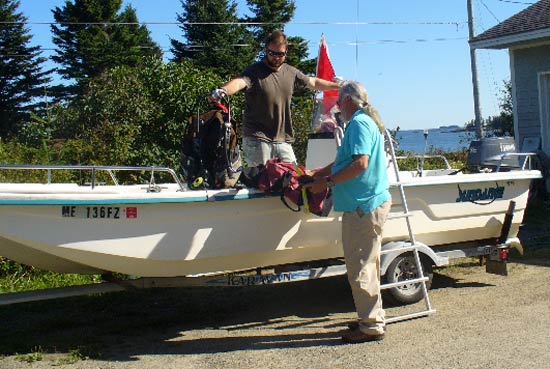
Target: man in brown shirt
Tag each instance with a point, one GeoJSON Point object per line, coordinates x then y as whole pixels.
{"type": "Point", "coordinates": [269, 85]}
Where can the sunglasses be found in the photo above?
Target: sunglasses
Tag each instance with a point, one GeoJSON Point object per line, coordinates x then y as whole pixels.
{"type": "Point", "coordinates": [277, 54]}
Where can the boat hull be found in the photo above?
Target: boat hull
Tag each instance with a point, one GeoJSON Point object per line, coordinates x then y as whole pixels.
{"type": "Point", "coordinates": [127, 230]}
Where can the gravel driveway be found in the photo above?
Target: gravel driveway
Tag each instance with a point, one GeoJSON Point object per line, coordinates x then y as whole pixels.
{"type": "Point", "coordinates": [482, 321]}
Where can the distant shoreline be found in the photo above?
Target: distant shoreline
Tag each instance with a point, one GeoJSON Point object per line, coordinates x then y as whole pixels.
{"type": "Point", "coordinates": [450, 139]}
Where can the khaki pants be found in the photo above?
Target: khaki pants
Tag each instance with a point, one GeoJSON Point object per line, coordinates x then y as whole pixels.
{"type": "Point", "coordinates": [362, 238]}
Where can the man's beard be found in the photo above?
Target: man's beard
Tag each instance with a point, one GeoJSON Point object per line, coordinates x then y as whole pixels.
{"type": "Point", "coordinates": [276, 63]}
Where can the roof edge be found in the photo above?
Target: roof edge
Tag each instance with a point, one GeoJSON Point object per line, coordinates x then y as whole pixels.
{"type": "Point", "coordinates": [510, 40]}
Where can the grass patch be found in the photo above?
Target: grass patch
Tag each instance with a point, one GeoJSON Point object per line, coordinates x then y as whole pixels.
{"type": "Point", "coordinates": [79, 354]}
{"type": "Point", "coordinates": [15, 277]}
{"type": "Point", "coordinates": [37, 354]}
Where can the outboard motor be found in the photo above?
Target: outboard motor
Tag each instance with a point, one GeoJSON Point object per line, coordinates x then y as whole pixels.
{"type": "Point", "coordinates": [486, 153]}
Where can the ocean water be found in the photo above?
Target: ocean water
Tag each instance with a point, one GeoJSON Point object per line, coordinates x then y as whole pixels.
{"type": "Point", "coordinates": [414, 140]}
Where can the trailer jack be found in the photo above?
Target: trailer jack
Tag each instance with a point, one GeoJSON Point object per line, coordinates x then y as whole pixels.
{"type": "Point", "coordinates": [497, 260]}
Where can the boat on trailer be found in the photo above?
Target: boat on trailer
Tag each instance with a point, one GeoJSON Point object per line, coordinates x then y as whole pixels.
{"type": "Point", "coordinates": [161, 228]}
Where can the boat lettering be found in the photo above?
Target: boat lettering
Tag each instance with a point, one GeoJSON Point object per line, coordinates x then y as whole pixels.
{"type": "Point", "coordinates": [68, 211]}
{"type": "Point", "coordinates": [476, 194]}
{"type": "Point", "coordinates": [239, 280]}
{"type": "Point", "coordinates": [98, 212]}
{"type": "Point", "coordinates": [109, 212]}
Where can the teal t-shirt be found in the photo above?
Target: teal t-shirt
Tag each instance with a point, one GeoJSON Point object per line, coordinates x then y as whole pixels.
{"type": "Point", "coordinates": [368, 190]}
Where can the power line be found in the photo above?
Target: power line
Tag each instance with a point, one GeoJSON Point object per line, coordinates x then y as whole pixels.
{"type": "Point", "coordinates": [515, 2]}
{"type": "Point", "coordinates": [457, 24]}
{"type": "Point", "coordinates": [334, 43]}
{"type": "Point", "coordinates": [489, 10]}
{"type": "Point", "coordinates": [354, 43]}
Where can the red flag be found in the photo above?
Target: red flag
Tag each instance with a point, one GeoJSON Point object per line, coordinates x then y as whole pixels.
{"type": "Point", "coordinates": [326, 71]}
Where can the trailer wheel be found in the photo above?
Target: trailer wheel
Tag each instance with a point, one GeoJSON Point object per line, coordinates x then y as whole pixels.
{"type": "Point", "coordinates": [403, 267]}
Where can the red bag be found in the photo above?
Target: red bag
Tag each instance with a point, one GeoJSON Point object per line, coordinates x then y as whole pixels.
{"type": "Point", "coordinates": [287, 179]}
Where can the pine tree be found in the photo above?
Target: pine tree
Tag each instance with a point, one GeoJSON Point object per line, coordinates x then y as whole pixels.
{"type": "Point", "coordinates": [506, 104]}
{"type": "Point", "coordinates": [270, 15]}
{"type": "Point", "coordinates": [90, 38]}
{"type": "Point", "coordinates": [219, 45]}
{"type": "Point", "coordinates": [130, 42]}
{"type": "Point", "coordinates": [22, 79]}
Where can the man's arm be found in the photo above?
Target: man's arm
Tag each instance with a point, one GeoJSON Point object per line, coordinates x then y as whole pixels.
{"type": "Point", "coordinates": [234, 86]}
{"type": "Point", "coordinates": [359, 164]}
{"type": "Point", "coordinates": [319, 84]}
{"type": "Point", "coordinates": [319, 172]}
{"type": "Point", "coordinates": [231, 87]}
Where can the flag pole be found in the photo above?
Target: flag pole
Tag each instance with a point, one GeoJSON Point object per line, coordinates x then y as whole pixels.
{"type": "Point", "coordinates": [316, 74]}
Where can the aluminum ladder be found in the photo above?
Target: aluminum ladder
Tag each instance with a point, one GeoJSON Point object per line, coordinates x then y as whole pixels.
{"type": "Point", "coordinates": [412, 247]}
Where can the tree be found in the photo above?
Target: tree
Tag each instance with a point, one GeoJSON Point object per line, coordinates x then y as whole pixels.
{"type": "Point", "coordinates": [213, 39]}
{"type": "Point", "coordinates": [502, 124]}
{"type": "Point", "coordinates": [135, 115]}
{"type": "Point", "coordinates": [90, 37]}
{"type": "Point", "coordinates": [212, 32]}
{"type": "Point", "coordinates": [298, 55]}
{"type": "Point", "coordinates": [270, 15]}
{"type": "Point", "coordinates": [22, 78]}
{"type": "Point", "coordinates": [506, 116]}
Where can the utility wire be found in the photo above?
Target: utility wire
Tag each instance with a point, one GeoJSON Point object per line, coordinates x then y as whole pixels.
{"type": "Point", "coordinates": [487, 60]}
{"type": "Point", "coordinates": [457, 24]}
{"type": "Point", "coordinates": [515, 2]}
{"type": "Point", "coordinates": [353, 43]}
{"type": "Point", "coordinates": [489, 10]}
{"type": "Point", "coordinates": [345, 43]}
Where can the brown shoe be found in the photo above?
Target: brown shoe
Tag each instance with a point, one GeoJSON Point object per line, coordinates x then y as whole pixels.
{"type": "Point", "coordinates": [353, 324]}
{"type": "Point", "coordinates": [356, 336]}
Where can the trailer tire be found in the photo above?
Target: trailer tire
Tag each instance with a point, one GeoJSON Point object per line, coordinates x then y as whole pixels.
{"type": "Point", "coordinates": [404, 267]}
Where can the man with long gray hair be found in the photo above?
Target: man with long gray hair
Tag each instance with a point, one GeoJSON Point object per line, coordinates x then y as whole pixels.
{"type": "Point", "coordinates": [360, 187]}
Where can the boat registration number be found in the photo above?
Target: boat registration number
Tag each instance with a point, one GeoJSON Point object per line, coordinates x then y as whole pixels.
{"type": "Point", "coordinates": [99, 212]}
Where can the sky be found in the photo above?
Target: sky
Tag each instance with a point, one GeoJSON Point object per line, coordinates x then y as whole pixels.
{"type": "Point", "coordinates": [412, 55]}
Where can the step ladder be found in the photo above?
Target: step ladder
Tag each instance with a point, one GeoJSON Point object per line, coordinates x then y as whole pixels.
{"type": "Point", "coordinates": [413, 246]}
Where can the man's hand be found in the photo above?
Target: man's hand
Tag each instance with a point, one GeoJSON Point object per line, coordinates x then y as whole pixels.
{"type": "Point", "coordinates": [310, 172]}
{"type": "Point", "coordinates": [217, 95]}
{"type": "Point", "coordinates": [319, 184]}
{"type": "Point", "coordinates": [338, 79]}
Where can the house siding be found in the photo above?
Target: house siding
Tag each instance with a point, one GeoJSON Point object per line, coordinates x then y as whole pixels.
{"type": "Point", "coordinates": [527, 64]}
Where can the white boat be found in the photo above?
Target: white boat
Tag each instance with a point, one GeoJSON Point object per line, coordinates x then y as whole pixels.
{"type": "Point", "coordinates": [165, 230]}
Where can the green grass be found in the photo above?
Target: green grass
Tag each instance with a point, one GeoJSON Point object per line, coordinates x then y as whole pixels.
{"type": "Point", "coordinates": [36, 354]}
{"type": "Point", "coordinates": [79, 354]}
{"type": "Point", "coordinates": [15, 277]}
